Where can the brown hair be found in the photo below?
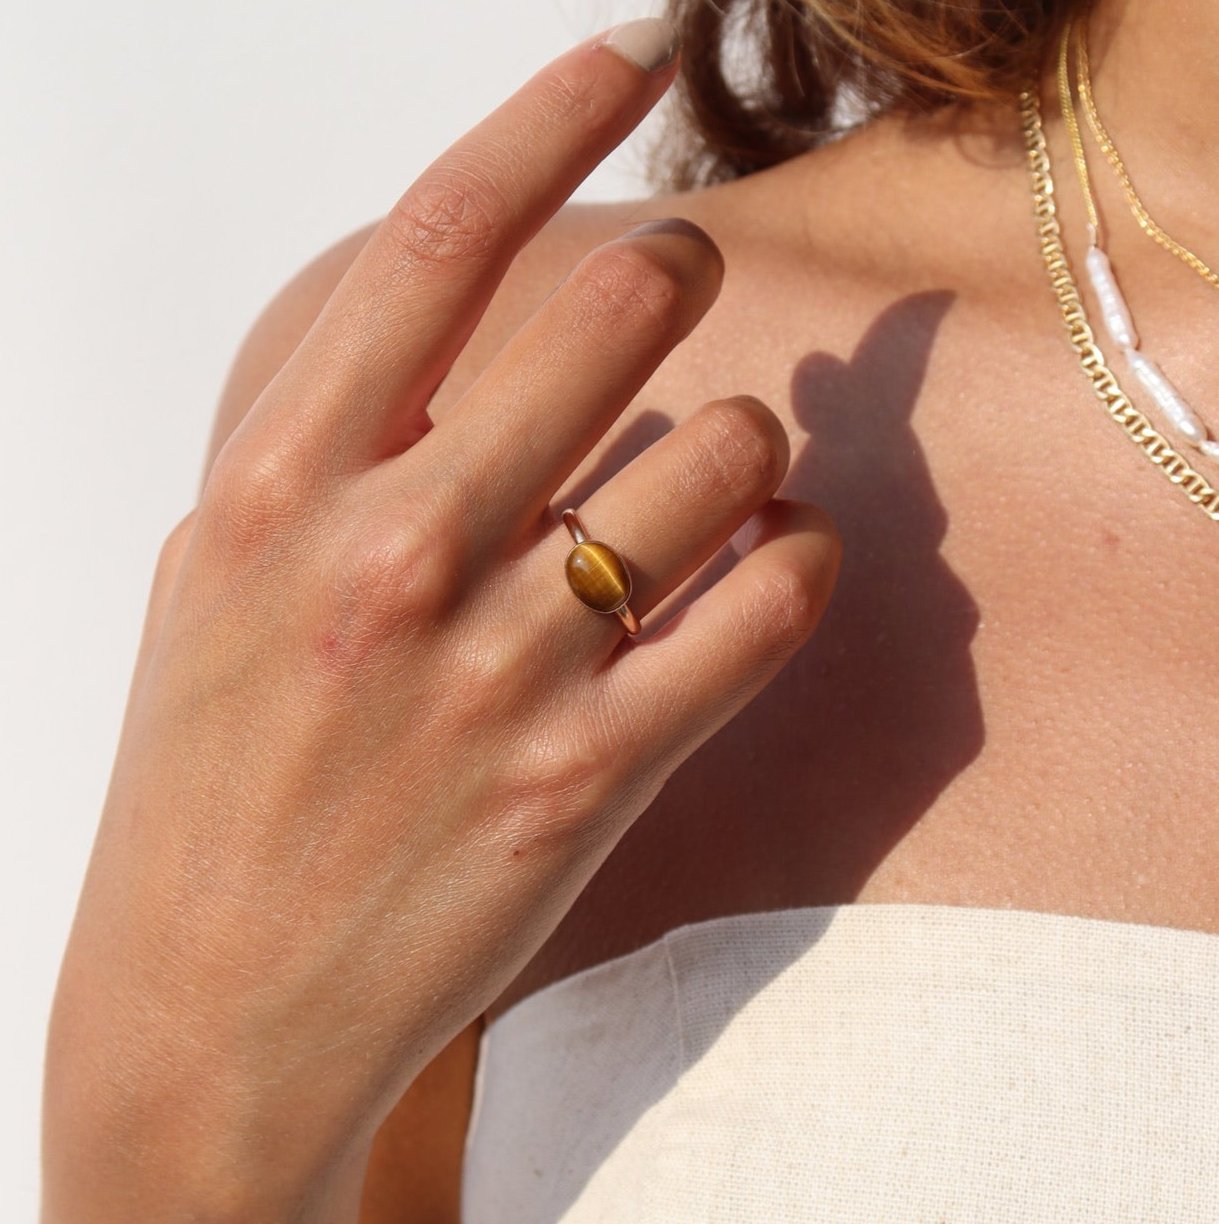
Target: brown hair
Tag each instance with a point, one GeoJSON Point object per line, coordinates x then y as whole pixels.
{"type": "Point", "coordinates": [809, 57]}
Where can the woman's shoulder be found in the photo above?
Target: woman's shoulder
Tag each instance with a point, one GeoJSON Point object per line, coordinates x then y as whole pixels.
{"type": "Point", "coordinates": [541, 264]}
{"type": "Point", "coordinates": [871, 211]}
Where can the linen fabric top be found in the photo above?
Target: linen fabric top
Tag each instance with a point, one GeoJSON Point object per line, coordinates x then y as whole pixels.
{"type": "Point", "coordinates": [888, 1062]}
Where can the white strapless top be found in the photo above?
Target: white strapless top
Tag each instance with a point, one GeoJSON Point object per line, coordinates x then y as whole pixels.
{"type": "Point", "coordinates": [872, 1063]}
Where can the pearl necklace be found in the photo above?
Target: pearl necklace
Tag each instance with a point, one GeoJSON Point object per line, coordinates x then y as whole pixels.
{"type": "Point", "coordinates": [1114, 309]}
{"type": "Point", "coordinates": [1116, 403]}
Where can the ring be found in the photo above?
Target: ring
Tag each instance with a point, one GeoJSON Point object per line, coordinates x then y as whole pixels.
{"type": "Point", "coordinates": [598, 575]}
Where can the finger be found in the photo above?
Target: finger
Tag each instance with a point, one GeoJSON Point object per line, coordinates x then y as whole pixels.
{"type": "Point", "coordinates": [360, 381]}
{"type": "Point", "coordinates": [715, 655]}
{"type": "Point", "coordinates": [551, 393]}
{"type": "Point", "coordinates": [666, 513]}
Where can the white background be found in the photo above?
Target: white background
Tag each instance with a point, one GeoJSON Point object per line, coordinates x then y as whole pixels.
{"type": "Point", "coordinates": [164, 168]}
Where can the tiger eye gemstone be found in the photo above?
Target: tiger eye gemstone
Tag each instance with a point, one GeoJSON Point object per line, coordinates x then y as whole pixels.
{"type": "Point", "coordinates": [597, 575]}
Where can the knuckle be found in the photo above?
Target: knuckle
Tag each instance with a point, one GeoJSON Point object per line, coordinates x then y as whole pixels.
{"type": "Point", "coordinates": [793, 598]}
{"type": "Point", "coordinates": [249, 499]}
{"type": "Point", "coordinates": [633, 286]}
{"type": "Point", "coordinates": [449, 216]}
{"type": "Point", "coordinates": [393, 578]}
{"type": "Point", "coordinates": [738, 448]}
{"type": "Point", "coordinates": [491, 668]}
{"type": "Point", "coordinates": [565, 782]}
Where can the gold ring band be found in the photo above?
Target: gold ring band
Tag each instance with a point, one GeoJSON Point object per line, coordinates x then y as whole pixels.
{"type": "Point", "coordinates": [598, 575]}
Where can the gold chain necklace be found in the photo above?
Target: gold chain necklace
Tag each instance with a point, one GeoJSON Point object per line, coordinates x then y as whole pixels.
{"type": "Point", "coordinates": [1117, 404]}
{"type": "Point", "coordinates": [1067, 106]}
{"type": "Point", "coordinates": [1109, 149]}
{"type": "Point", "coordinates": [1115, 311]}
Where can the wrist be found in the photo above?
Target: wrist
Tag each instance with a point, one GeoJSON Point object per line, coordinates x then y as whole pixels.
{"type": "Point", "coordinates": [139, 1123]}
{"type": "Point", "coordinates": [177, 1167]}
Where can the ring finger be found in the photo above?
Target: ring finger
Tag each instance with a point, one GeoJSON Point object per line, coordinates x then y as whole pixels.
{"type": "Point", "coordinates": [665, 514]}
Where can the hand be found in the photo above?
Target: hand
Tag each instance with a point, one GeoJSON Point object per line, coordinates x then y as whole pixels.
{"type": "Point", "coordinates": [374, 746]}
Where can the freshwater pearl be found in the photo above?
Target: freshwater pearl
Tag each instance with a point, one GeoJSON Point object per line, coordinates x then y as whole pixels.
{"type": "Point", "coordinates": [598, 576]}
{"type": "Point", "coordinates": [1113, 306]}
{"type": "Point", "coordinates": [1120, 325]}
{"type": "Point", "coordinates": [1182, 416]}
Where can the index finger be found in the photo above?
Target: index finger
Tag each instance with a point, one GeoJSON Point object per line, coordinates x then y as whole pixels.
{"type": "Point", "coordinates": [412, 297]}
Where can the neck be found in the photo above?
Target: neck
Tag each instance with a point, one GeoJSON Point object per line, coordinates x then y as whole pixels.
{"type": "Point", "coordinates": [1155, 80]}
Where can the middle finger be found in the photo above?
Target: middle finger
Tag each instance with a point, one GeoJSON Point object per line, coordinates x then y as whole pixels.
{"type": "Point", "coordinates": [412, 297]}
{"type": "Point", "coordinates": [555, 388]}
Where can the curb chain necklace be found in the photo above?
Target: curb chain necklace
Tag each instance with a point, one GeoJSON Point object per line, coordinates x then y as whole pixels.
{"type": "Point", "coordinates": [1118, 405]}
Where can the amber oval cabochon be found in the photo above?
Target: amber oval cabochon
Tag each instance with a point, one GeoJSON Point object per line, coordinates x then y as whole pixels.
{"type": "Point", "coordinates": [598, 576]}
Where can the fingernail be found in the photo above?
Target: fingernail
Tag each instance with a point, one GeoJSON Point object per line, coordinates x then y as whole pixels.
{"type": "Point", "coordinates": [676, 225]}
{"type": "Point", "coordinates": [665, 225]}
{"type": "Point", "coordinates": [649, 42]}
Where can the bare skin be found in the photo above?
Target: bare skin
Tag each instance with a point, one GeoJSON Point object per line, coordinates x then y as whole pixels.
{"type": "Point", "coordinates": [351, 798]}
{"type": "Point", "coordinates": [1005, 704]}
{"type": "Point", "coordinates": [1002, 705]}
